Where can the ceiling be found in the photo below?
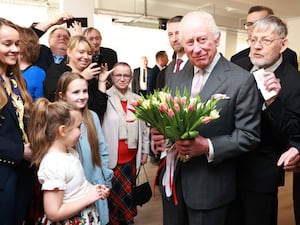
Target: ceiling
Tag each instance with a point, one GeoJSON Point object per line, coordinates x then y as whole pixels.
{"type": "Point", "coordinates": [228, 13]}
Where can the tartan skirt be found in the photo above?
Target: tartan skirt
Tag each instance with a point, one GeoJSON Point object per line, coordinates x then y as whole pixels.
{"type": "Point", "coordinates": [121, 208]}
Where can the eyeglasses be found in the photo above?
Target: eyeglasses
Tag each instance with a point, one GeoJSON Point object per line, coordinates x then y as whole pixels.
{"type": "Point", "coordinates": [59, 36]}
{"type": "Point", "coordinates": [263, 41]}
{"type": "Point", "coordinates": [248, 24]}
{"type": "Point", "coordinates": [124, 76]}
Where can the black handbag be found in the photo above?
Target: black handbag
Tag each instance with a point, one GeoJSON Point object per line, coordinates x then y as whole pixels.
{"type": "Point", "coordinates": [141, 193]}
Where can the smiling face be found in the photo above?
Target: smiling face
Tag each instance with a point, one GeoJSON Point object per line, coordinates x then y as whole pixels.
{"type": "Point", "coordinates": [77, 93]}
{"type": "Point", "coordinates": [199, 43]}
{"type": "Point", "coordinates": [58, 41]}
{"type": "Point", "coordinates": [173, 35]}
{"type": "Point", "coordinates": [121, 77]}
{"type": "Point", "coordinates": [80, 56]}
{"type": "Point", "coordinates": [9, 46]}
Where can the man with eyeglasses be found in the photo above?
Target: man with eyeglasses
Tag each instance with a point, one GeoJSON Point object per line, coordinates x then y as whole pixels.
{"type": "Point", "coordinates": [258, 174]}
{"type": "Point", "coordinates": [102, 54]}
{"type": "Point", "coordinates": [255, 13]}
{"type": "Point", "coordinates": [58, 40]}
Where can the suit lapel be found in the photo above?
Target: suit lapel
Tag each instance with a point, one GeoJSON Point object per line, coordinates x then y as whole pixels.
{"type": "Point", "coordinates": [216, 78]}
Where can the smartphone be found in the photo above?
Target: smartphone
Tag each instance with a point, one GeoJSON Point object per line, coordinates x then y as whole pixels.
{"type": "Point", "coordinates": [82, 20]}
{"type": "Point", "coordinates": [98, 59]}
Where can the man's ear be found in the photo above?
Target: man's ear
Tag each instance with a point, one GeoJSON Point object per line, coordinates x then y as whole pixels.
{"type": "Point", "coordinates": [284, 45]}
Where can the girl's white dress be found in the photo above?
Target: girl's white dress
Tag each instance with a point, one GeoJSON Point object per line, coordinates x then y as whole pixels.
{"type": "Point", "coordinates": [64, 171]}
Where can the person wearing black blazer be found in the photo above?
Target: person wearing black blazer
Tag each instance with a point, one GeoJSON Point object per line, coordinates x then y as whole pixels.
{"type": "Point", "coordinates": [290, 159]}
{"type": "Point", "coordinates": [161, 58]}
{"type": "Point", "coordinates": [107, 55]}
{"type": "Point", "coordinates": [142, 77]}
{"type": "Point", "coordinates": [254, 13]}
{"type": "Point", "coordinates": [162, 78]}
{"type": "Point", "coordinates": [101, 55]}
{"type": "Point", "coordinates": [95, 76]}
{"type": "Point", "coordinates": [205, 185]}
{"type": "Point", "coordinates": [258, 173]}
{"type": "Point", "coordinates": [56, 52]}
{"type": "Point", "coordinates": [288, 55]}
{"type": "Point", "coordinates": [58, 40]}
{"type": "Point", "coordinates": [16, 175]}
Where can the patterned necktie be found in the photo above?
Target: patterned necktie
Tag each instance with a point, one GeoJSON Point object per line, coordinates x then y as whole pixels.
{"type": "Point", "coordinates": [178, 63]}
{"type": "Point", "coordinates": [197, 83]}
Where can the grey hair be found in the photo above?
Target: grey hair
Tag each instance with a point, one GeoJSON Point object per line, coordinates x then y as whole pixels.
{"type": "Point", "coordinates": [274, 23]}
{"type": "Point", "coordinates": [202, 17]}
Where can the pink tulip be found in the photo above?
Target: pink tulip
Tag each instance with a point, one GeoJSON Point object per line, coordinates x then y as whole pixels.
{"type": "Point", "coordinates": [163, 107]}
{"type": "Point", "coordinates": [176, 100]}
{"type": "Point", "coordinates": [171, 113]}
{"type": "Point", "coordinates": [191, 108]}
{"type": "Point", "coordinates": [176, 107]}
{"type": "Point", "coordinates": [183, 100]}
{"type": "Point", "coordinates": [207, 119]}
{"type": "Point", "coordinates": [135, 103]}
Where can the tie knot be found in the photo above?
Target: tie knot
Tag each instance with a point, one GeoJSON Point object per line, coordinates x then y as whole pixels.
{"type": "Point", "coordinates": [200, 71]}
{"type": "Point", "coordinates": [178, 63]}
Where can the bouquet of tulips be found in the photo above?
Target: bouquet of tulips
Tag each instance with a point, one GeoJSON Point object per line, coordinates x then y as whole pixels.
{"type": "Point", "coordinates": [175, 117]}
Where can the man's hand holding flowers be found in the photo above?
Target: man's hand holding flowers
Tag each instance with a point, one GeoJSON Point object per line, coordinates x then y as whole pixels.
{"type": "Point", "coordinates": [188, 148]}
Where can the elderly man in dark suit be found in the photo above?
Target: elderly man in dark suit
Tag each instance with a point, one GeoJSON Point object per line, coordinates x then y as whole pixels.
{"type": "Point", "coordinates": [258, 174]}
{"type": "Point", "coordinates": [58, 40]}
{"type": "Point", "coordinates": [254, 13]}
{"type": "Point", "coordinates": [102, 55]}
{"type": "Point", "coordinates": [107, 55]}
{"type": "Point", "coordinates": [205, 185]}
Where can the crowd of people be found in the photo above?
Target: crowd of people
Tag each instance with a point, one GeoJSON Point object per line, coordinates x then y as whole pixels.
{"type": "Point", "coordinates": [69, 156]}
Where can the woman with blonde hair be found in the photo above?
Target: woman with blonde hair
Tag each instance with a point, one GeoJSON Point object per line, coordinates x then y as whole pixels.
{"type": "Point", "coordinates": [79, 60]}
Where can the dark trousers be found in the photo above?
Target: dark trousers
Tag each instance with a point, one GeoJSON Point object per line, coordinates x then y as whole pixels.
{"type": "Point", "coordinates": [181, 214]}
{"type": "Point", "coordinates": [15, 197]}
{"type": "Point", "coordinates": [253, 208]}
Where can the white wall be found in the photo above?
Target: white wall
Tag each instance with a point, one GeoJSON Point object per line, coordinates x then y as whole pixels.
{"type": "Point", "coordinates": [130, 42]}
{"type": "Point", "coordinates": [133, 42]}
{"type": "Point", "coordinates": [23, 14]}
{"type": "Point", "coordinates": [293, 37]}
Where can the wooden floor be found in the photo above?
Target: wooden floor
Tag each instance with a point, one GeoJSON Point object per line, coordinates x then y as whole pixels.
{"type": "Point", "coordinates": [151, 212]}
